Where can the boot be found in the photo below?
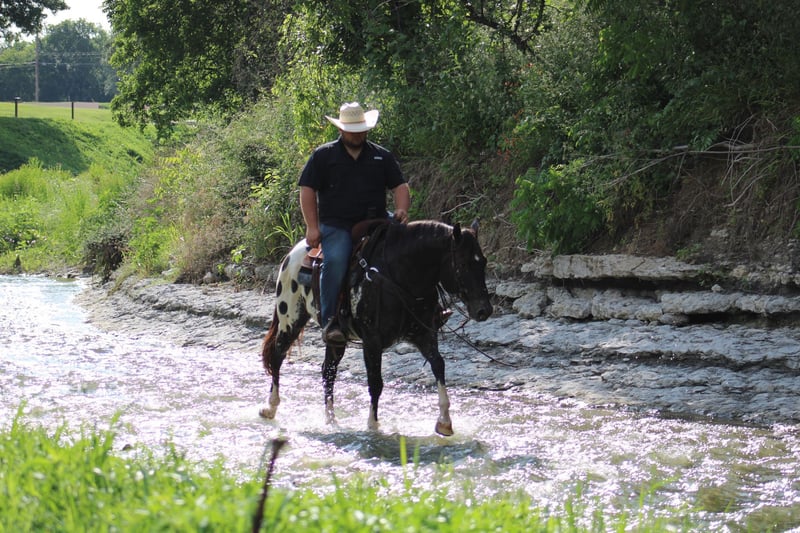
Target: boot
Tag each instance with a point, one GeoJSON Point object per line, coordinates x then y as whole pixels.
{"type": "Point", "coordinates": [332, 334]}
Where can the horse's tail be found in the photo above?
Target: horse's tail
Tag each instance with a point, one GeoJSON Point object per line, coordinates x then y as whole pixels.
{"type": "Point", "coordinates": [270, 344]}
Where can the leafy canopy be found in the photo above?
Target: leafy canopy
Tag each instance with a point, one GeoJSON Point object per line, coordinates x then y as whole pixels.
{"type": "Point", "coordinates": [26, 16]}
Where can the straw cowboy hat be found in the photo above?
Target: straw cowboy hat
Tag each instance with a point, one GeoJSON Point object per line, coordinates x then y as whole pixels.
{"type": "Point", "coordinates": [353, 119]}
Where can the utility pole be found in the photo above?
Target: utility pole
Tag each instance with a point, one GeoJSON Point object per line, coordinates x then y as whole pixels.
{"type": "Point", "coordinates": [36, 71]}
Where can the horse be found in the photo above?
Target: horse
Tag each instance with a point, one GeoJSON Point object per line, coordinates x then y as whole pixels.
{"type": "Point", "coordinates": [393, 295]}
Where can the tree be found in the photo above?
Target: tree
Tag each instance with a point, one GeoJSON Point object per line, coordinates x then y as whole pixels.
{"type": "Point", "coordinates": [177, 56]}
{"type": "Point", "coordinates": [73, 63]}
{"type": "Point", "coordinates": [665, 88]}
{"type": "Point", "coordinates": [16, 71]}
{"type": "Point", "coordinates": [26, 15]}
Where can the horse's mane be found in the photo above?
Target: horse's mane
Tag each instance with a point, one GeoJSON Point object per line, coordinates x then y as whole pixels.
{"type": "Point", "coordinates": [429, 228]}
{"type": "Point", "coordinates": [409, 238]}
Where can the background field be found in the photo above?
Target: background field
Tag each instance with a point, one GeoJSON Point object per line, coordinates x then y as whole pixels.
{"type": "Point", "coordinates": [62, 181]}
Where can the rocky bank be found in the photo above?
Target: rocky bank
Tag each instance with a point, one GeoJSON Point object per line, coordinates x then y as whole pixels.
{"type": "Point", "coordinates": [642, 333]}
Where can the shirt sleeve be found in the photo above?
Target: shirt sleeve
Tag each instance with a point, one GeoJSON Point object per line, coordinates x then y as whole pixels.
{"type": "Point", "coordinates": [309, 177]}
{"type": "Point", "coordinates": [394, 176]}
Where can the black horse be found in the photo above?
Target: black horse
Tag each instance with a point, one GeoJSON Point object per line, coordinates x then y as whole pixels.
{"type": "Point", "coordinates": [394, 295]}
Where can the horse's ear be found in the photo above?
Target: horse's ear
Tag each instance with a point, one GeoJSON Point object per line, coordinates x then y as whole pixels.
{"type": "Point", "coordinates": [457, 231]}
{"type": "Point", "coordinates": [474, 227]}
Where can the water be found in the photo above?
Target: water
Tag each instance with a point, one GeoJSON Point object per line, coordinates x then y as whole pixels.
{"type": "Point", "coordinates": [726, 477]}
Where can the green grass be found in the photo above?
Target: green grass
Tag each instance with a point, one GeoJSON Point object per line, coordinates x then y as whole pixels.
{"type": "Point", "coordinates": [50, 135]}
{"type": "Point", "coordinates": [54, 110]}
{"type": "Point", "coordinates": [65, 481]}
{"type": "Point", "coordinates": [61, 181]}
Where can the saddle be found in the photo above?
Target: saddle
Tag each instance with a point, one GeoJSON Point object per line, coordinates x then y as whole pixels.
{"type": "Point", "coordinates": [364, 236]}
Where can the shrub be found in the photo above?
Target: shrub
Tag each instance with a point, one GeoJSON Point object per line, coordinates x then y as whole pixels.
{"type": "Point", "coordinates": [30, 180]}
{"type": "Point", "coordinates": [152, 244]}
{"type": "Point", "coordinates": [554, 208]}
{"type": "Point", "coordinates": [19, 224]}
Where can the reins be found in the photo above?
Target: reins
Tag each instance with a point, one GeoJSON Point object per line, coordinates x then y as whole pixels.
{"type": "Point", "coordinates": [442, 296]}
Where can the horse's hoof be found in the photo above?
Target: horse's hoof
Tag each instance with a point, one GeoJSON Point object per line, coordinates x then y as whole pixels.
{"type": "Point", "coordinates": [267, 412]}
{"type": "Point", "coordinates": [444, 429]}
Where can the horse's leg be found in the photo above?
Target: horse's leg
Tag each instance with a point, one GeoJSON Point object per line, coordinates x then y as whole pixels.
{"type": "Point", "coordinates": [430, 350]}
{"type": "Point", "coordinates": [273, 359]}
{"type": "Point", "coordinates": [444, 426]}
{"type": "Point", "coordinates": [277, 342]}
{"type": "Point", "coordinates": [273, 401]}
{"type": "Point", "coordinates": [372, 360]}
{"type": "Point", "coordinates": [333, 355]}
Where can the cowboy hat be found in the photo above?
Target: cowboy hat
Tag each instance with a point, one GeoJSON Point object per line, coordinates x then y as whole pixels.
{"type": "Point", "coordinates": [353, 119]}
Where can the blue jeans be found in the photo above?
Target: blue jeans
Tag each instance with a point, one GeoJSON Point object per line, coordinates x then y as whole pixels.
{"type": "Point", "coordinates": [336, 248]}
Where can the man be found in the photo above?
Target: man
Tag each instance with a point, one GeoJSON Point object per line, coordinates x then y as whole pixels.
{"type": "Point", "coordinates": [344, 182]}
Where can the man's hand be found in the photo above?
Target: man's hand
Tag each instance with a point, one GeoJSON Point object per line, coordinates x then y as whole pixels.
{"type": "Point", "coordinates": [401, 215]}
{"type": "Point", "coordinates": [313, 237]}
{"type": "Point", "coordinates": [308, 205]}
{"type": "Point", "coordinates": [402, 201]}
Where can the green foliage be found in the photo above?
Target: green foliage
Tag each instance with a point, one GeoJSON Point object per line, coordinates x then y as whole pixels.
{"type": "Point", "coordinates": [227, 189]}
{"type": "Point", "coordinates": [60, 480]}
{"type": "Point", "coordinates": [619, 86]}
{"type": "Point", "coordinates": [29, 180]}
{"type": "Point", "coordinates": [50, 214]}
{"type": "Point", "coordinates": [151, 245]}
{"type": "Point", "coordinates": [26, 15]}
{"type": "Point", "coordinates": [273, 219]}
{"type": "Point", "coordinates": [66, 482]}
{"type": "Point", "coordinates": [581, 104]}
{"type": "Point", "coordinates": [43, 211]}
{"type": "Point", "coordinates": [73, 65]}
{"type": "Point", "coordinates": [180, 58]}
{"type": "Point", "coordinates": [18, 71]}
{"type": "Point", "coordinates": [49, 134]}
{"type": "Point", "coordinates": [554, 208]}
{"type": "Point", "coordinates": [19, 225]}
{"type": "Point", "coordinates": [408, 61]}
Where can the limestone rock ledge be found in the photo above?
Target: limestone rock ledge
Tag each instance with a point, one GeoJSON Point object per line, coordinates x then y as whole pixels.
{"type": "Point", "coordinates": [651, 289]}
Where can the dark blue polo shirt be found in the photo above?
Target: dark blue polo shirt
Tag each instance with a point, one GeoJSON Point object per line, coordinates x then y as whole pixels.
{"type": "Point", "coordinates": [349, 191]}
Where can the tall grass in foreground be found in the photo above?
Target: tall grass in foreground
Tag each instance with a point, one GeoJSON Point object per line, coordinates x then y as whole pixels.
{"type": "Point", "coordinates": [62, 481]}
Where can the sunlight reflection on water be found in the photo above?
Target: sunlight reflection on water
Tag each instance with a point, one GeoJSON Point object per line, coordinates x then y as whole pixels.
{"type": "Point", "coordinates": [206, 403]}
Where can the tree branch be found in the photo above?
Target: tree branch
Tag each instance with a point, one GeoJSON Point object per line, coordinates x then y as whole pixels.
{"type": "Point", "coordinates": [513, 27]}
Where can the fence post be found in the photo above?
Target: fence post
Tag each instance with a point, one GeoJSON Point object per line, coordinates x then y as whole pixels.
{"type": "Point", "coordinates": [16, 106]}
{"type": "Point", "coordinates": [72, 102]}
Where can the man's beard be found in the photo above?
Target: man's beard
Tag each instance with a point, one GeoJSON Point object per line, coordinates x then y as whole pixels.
{"type": "Point", "coordinates": [354, 144]}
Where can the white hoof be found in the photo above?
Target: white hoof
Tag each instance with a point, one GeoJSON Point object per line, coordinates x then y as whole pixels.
{"type": "Point", "coordinates": [267, 412]}
{"type": "Point", "coordinates": [373, 424]}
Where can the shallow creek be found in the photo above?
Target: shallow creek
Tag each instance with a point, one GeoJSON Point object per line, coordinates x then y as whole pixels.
{"type": "Point", "coordinates": [205, 401]}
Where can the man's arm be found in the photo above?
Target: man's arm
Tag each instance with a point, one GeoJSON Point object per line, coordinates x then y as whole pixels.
{"type": "Point", "coordinates": [308, 206]}
{"type": "Point", "coordinates": [402, 202]}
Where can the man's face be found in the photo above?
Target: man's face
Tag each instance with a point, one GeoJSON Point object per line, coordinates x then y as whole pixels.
{"type": "Point", "coordinates": [354, 141]}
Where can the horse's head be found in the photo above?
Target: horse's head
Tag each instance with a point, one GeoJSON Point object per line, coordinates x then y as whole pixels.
{"type": "Point", "coordinates": [466, 273]}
